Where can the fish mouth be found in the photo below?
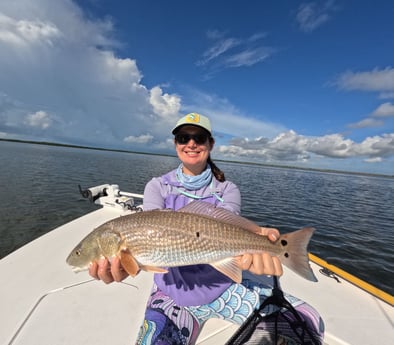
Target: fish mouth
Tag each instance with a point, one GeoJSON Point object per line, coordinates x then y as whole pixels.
{"type": "Point", "coordinates": [79, 269]}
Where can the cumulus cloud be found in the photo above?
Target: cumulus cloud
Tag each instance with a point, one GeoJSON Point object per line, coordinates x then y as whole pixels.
{"type": "Point", "coordinates": [39, 119]}
{"type": "Point", "coordinates": [61, 79]}
{"type": "Point", "coordinates": [25, 32]}
{"type": "Point", "coordinates": [292, 147]}
{"type": "Point", "coordinates": [59, 71]}
{"type": "Point", "coordinates": [312, 15]}
{"type": "Point", "coordinates": [60, 74]}
{"type": "Point", "coordinates": [379, 146]}
{"type": "Point", "coordinates": [164, 105]}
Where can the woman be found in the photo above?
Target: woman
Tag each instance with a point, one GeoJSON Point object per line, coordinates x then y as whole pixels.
{"type": "Point", "coordinates": [184, 298]}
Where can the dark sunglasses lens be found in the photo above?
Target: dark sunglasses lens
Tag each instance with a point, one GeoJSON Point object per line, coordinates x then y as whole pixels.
{"type": "Point", "coordinates": [184, 138]}
{"type": "Point", "coordinates": [200, 138]}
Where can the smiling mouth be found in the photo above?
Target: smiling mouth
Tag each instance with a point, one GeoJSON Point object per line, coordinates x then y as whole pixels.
{"type": "Point", "coordinates": [192, 153]}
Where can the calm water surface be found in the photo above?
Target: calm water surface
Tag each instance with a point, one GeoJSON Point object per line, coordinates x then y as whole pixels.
{"type": "Point", "coordinates": [353, 214]}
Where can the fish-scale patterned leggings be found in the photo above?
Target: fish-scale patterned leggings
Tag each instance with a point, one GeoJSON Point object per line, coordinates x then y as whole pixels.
{"type": "Point", "coordinates": [168, 324]}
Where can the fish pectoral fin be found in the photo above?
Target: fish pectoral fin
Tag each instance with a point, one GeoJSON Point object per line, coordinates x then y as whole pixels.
{"type": "Point", "coordinates": [129, 263]}
{"type": "Point", "coordinates": [153, 269]}
{"type": "Point", "coordinates": [229, 267]}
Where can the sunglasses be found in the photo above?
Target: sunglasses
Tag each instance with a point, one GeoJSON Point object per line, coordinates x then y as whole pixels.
{"type": "Point", "coordinates": [184, 138]}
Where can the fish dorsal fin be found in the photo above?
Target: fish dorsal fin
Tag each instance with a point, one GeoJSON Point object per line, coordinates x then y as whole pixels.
{"type": "Point", "coordinates": [206, 209]}
{"type": "Point", "coordinates": [229, 268]}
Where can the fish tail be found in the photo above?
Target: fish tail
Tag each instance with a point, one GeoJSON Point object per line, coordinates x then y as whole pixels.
{"type": "Point", "coordinates": [295, 254]}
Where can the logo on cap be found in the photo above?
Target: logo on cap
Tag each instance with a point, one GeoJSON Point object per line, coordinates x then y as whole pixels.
{"type": "Point", "coordinates": [193, 118]}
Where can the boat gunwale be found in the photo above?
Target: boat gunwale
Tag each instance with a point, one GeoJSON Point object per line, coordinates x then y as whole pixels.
{"type": "Point", "coordinates": [362, 284]}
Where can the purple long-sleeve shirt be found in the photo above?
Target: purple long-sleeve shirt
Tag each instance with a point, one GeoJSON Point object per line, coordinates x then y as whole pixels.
{"type": "Point", "coordinates": [196, 284]}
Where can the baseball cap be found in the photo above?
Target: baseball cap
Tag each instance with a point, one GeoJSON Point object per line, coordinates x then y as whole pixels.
{"type": "Point", "coordinates": [193, 119]}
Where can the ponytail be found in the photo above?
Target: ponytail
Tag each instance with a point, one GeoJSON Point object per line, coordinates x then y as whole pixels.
{"type": "Point", "coordinates": [216, 171]}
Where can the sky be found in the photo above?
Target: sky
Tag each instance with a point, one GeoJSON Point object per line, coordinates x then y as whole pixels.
{"type": "Point", "coordinates": [295, 83]}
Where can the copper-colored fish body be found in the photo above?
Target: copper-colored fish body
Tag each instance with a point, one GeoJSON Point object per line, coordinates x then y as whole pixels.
{"type": "Point", "coordinates": [197, 234]}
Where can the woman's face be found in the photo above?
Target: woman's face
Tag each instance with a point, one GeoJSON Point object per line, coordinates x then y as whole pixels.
{"type": "Point", "coordinates": [193, 146]}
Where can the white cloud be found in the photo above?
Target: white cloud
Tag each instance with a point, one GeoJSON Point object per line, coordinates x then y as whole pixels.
{"type": "Point", "coordinates": [220, 47]}
{"type": "Point", "coordinates": [292, 147]}
{"type": "Point", "coordinates": [377, 80]}
{"type": "Point", "coordinates": [56, 61]}
{"type": "Point", "coordinates": [142, 139]}
{"type": "Point", "coordinates": [67, 66]}
{"type": "Point", "coordinates": [376, 146]}
{"type": "Point", "coordinates": [312, 15]}
{"type": "Point", "coordinates": [39, 119]}
{"type": "Point", "coordinates": [373, 160]}
{"type": "Point", "coordinates": [230, 52]}
{"type": "Point", "coordinates": [248, 57]}
{"type": "Point", "coordinates": [384, 110]}
{"type": "Point", "coordinates": [333, 145]}
{"type": "Point", "coordinates": [377, 117]}
{"type": "Point", "coordinates": [164, 105]}
{"type": "Point", "coordinates": [60, 76]}
{"type": "Point", "coordinates": [366, 123]}
{"type": "Point", "coordinates": [27, 32]}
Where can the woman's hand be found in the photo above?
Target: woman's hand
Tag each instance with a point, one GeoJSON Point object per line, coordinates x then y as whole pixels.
{"type": "Point", "coordinates": [263, 263]}
{"type": "Point", "coordinates": [107, 271]}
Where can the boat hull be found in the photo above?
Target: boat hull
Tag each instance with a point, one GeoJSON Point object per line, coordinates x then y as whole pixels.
{"type": "Point", "coordinates": [44, 302]}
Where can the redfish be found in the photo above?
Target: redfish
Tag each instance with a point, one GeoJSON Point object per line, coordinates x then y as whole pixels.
{"type": "Point", "coordinates": [199, 233]}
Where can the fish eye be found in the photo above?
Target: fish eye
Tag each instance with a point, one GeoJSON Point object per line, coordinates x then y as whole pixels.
{"type": "Point", "coordinates": [78, 252]}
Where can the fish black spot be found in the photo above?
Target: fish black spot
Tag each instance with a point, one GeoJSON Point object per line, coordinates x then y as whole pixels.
{"type": "Point", "coordinates": [286, 255]}
{"type": "Point", "coordinates": [197, 234]}
{"type": "Point", "coordinates": [283, 242]}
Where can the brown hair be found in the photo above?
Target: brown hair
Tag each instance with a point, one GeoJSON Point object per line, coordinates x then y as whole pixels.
{"type": "Point", "coordinates": [216, 171]}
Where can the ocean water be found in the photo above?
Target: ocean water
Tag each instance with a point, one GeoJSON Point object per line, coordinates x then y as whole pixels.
{"type": "Point", "coordinates": [353, 214]}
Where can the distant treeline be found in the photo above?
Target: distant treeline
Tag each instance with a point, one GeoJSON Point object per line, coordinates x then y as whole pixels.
{"type": "Point", "coordinates": [169, 155]}
{"type": "Point", "coordinates": [47, 143]}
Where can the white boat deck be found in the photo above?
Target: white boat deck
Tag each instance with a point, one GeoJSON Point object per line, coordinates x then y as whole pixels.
{"type": "Point", "coordinates": [44, 302]}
